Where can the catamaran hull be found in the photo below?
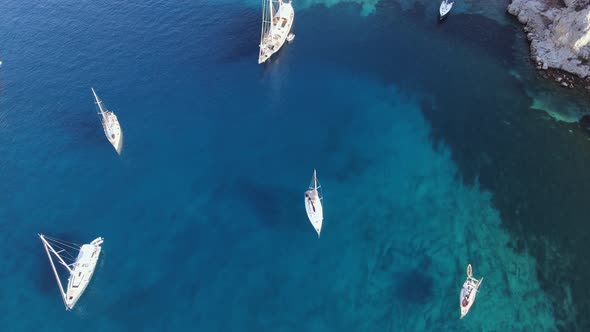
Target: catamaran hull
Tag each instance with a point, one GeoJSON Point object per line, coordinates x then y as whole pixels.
{"type": "Point", "coordinates": [277, 35]}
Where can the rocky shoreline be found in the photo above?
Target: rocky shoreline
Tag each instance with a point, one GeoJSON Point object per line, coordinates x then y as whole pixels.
{"type": "Point", "coordinates": [559, 34]}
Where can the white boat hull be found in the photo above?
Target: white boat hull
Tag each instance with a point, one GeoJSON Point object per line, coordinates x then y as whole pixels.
{"type": "Point", "coordinates": [314, 209]}
{"type": "Point", "coordinates": [276, 36]}
{"type": "Point", "coordinates": [468, 294]}
{"type": "Point", "coordinates": [112, 131]}
{"type": "Point", "coordinates": [82, 272]}
{"type": "Point", "coordinates": [110, 124]}
{"type": "Point", "coordinates": [445, 9]}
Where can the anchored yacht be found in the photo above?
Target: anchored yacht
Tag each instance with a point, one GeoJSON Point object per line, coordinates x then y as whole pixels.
{"type": "Point", "coordinates": [277, 20]}
{"type": "Point", "coordinates": [468, 292]}
{"type": "Point", "coordinates": [313, 204]}
{"type": "Point", "coordinates": [110, 124]}
{"type": "Point", "coordinates": [80, 270]}
{"type": "Point", "coordinates": [445, 8]}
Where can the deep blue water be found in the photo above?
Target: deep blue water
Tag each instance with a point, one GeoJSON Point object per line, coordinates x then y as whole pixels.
{"type": "Point", "coordinates": [426, 145]}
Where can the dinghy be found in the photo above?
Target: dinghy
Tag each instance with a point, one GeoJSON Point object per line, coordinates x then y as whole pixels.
{"type": "Point", "coordinates": [290, 38]}
{"type": "Point", "coordinates": [80, 270]}
{"type": "Point", "coordinates": [313, 204]}
{"type": "Point", "coordinates": [277, 20]}
{"type": "Point", "coordinates": [445, 8]}
{"type": "Point", "coordinates": [468, 292]}
{"type": "Point", "coordinates": [110, 124]}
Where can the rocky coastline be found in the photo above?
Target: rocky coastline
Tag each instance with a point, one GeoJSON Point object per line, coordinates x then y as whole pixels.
{"type": "Point", "coordinates": [559, 35]}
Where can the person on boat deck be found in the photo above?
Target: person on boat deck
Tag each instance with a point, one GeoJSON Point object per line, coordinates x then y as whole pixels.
{"type": "Point", "coordinates": [310, 201]}
{"type": "Point", "coordinates": [465, 300]}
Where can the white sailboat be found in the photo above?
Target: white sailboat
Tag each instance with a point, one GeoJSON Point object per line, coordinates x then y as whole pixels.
{"type": "Point", "coordinates": [110, 124]}
{"type": "Point", "coordinates": [80, 270]}
{"type": "Point", "coordinates": [445, 8]}
{"type": "Point", "coordinates": [313, 204]}
{"type": "Point", "coordinates": [277, 20]}
{"type": "Point", "coordinates": [468, 292]}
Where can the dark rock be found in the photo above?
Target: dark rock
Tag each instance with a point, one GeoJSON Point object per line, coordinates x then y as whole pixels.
{"type": "Point", "coordinates": [584, 123]}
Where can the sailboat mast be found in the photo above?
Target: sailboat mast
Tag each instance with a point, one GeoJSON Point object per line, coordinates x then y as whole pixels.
{"type": "Point", "coordinates": [315, 181]}
{"type": "Point", "coordinates": [99, 103]}
{"type": "Point", "coordinates": [264, 21]}
{"type": "Point", "coordinates": [56, 254]}
{"type": "Point", "coordinates": [272, 10]}
{"type": "Point", "coordinates": [46, 245]}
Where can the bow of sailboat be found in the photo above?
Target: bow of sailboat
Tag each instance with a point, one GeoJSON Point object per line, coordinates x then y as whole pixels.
{"type": "Point", "coordinates": [98, 102]}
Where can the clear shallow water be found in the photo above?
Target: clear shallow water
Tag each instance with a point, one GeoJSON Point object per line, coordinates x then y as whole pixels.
{"type": "Point", "coordinates": [202, 214]}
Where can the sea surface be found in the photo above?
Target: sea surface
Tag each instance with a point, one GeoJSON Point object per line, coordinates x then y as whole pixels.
{"type": "Point", "coordinates": [436, 144]}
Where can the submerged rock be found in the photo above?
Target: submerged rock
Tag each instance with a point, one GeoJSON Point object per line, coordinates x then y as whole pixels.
{"type": "Point", "coordinates": [584, 124]}
{"type": "Point", "coordinates": [559, 32]}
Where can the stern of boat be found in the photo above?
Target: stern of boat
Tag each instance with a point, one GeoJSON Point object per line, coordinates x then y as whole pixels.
{"type": "Point", "coordinates": [97, 242]}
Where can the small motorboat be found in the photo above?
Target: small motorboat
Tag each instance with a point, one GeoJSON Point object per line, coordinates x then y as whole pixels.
{"type": "Point", "coordinates": [290, 37]}
{"type": "Point", "coordinates": [445, 8]}
{"type": "Point", "coordinates": [468, 292]}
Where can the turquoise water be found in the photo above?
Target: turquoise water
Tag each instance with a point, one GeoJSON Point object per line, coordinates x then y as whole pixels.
{"type": "Point", "coordinates": [426, 145]}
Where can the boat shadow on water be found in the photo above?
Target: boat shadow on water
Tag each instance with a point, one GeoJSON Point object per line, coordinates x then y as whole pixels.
{"type": "Point", "coordinates": [240, 25]}
{"type": "Point", "coordinates": [268, 205]}
{"type": "Point", "coordinates": [406, 290]}
{"type": "Point", "coordinates": [119, 150]}
{"type": "Point", "coordinates": [265, 201]}
{"type": "Point", "coordinates": [80, 129]}
{"type": "Point", "coordinates": [276, 58]}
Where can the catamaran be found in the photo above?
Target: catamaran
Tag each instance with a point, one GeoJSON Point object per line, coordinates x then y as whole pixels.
{"type": "Point", "coordinates": [313, 204]}
{"type": "Point", "coordinates": [277, 20]}
{"type": "Point", "coordinates": [110, 124]}
{"type": "Point", "coordinates": [81, 269]}
{"type": "Point", "coordinates": [445, 8]}
{"type": "Point", "coordinates": [469, 291]}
